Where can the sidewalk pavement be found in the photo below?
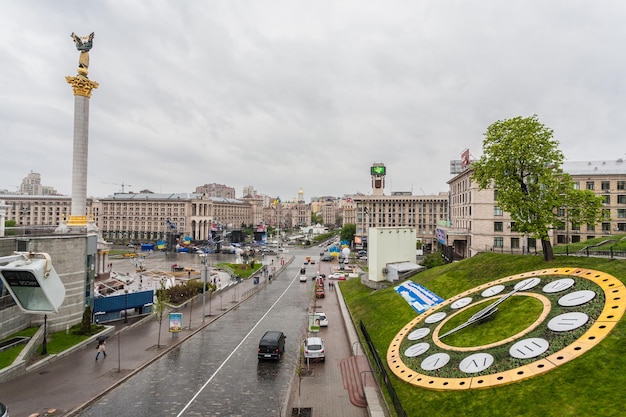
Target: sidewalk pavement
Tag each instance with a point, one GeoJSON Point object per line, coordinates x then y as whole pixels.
{"type": "Point", "coordinates": [66, 383]}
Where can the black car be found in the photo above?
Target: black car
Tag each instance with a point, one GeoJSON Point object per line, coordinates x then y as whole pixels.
{"type": "Point", "coordinates": [326, 258]}
{"type": "Point", "coordinates": [271, 345]}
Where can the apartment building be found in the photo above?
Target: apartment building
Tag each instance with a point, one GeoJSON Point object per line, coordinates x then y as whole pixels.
{"type": "Point", "coordinates": [149, 217]}
{"type": "Point", "coordinates": [41, 210]}
{"type": "Point", "coordinates": [477, 224]}
{"type": "Point", "coordinates": [424, 213]}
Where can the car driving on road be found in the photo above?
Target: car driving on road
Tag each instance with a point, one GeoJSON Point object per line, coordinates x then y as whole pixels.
{"type": "Point", "coordinates": [271, 345]}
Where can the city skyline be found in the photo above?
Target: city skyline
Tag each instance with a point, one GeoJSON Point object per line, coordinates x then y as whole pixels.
{"type": "Point", "coordinates": [290, 95]}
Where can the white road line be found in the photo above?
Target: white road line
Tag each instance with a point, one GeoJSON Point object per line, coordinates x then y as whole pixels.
{"type": "Point", "coordinates": [233, 352]}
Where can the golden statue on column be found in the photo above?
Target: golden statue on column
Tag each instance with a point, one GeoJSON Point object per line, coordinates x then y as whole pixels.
{"type": "Point", "coordinates": [83, 44]}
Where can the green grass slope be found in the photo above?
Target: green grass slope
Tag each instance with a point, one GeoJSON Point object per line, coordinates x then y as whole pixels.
{"type": "Point", "coordinates": [592, 385]}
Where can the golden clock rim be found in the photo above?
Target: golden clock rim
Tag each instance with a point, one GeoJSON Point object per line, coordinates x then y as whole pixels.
{"type": "Point", "coordinates": [608, 318]}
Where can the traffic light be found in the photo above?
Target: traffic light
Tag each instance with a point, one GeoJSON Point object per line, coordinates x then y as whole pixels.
{"type": "Point", "coordinates": [33, 283]}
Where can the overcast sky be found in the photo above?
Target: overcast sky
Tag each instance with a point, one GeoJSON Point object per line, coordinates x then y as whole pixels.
{"type": "Point", "coordinates": [288, 94]}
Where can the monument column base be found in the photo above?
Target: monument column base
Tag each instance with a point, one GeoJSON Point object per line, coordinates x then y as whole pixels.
{"type": "Point", "coordinates": [77, 221]}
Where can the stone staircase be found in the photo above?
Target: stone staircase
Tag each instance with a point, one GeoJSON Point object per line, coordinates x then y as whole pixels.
{"type": "Point", "coordinates": [354, 381]}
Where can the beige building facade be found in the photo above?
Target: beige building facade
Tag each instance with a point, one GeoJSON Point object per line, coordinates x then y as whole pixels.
{"type": "Point", "coordinates": [40, 210]}
{"type": "Point", "coordinates": [424, 213]}
{"type": "Point", "coordinates": [477, 224]}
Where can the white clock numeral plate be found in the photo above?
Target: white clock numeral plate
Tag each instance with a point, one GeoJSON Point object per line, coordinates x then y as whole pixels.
{"type": "Point", "coordinates": [476, 363]}
{"type": "Point", "coordinates": [527, 284]}
{"type": "Point", "coordinates": [559, 285]}
{"type": "Point", "coordinates": [461, 303]}
{"type": "Point", "coordinates": [529, 348]}
{"type": "Point", "coordinates": [418, 334]}
{"type": "Point", "coordinates": [434, 318]}
{"type": "Point", "coordinates": [436, 361]}
{"type": "Point", "coordinates": [416, 350]}
{"type": "Point", "coordinates": [496, 289]}
{"type": "Point", "coordinates": [568, 321]}
{"type": "Point", "coordinates": [576, 298]}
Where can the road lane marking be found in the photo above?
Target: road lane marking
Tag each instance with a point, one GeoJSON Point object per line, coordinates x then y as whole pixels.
{"type": "Point", "coordinates": [234, 350]}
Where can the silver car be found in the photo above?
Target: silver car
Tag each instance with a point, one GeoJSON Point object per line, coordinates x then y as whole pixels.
{"type": "Point", "coordinates": [314, 348]}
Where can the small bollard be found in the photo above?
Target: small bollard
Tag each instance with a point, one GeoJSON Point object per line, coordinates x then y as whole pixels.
{"type": "Point", "coordinates": [67, 329]}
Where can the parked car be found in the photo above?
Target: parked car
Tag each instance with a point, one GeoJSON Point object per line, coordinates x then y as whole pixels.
{"type": "Point", "coordinates": [326, 258]}
{"type": "Point", "coordinates": [338, 276]}
{"type": "Point", "coordinates": [322, 318]}
{"type": "Point", "coordinates": [271, 345]}
{"type": "Point", "coordinates": [314, 348]}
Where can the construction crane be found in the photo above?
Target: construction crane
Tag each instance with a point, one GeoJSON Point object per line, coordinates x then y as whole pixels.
{"type": "Point", "coordinates": [121, 185]}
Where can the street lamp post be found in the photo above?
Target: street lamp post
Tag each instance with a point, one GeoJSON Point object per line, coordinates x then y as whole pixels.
{"type": "Point", "coordinates": [204, 274]}
{"type": "Point", "coordinates": [125, 305]}
{"type": "Point", "coordinates": [44, 346]}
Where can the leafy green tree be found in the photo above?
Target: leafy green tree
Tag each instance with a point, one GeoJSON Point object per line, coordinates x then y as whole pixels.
{"type": "Point", "coordinates": [316, 218]}
{"type": "Point", "coordinates": [432, 260]}
{"type": "Point", "coordinates": [522, 162]}
{"type": "Point", "coordinates": [347, 232]}
{"type": "Point", "coordinates": [85, 324]}
{"type": "Point", "coordinates": [10, 224]}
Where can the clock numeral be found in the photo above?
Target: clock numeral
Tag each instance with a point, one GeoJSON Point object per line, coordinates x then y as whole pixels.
{"type": "Point", "coordinates": [529, 348]}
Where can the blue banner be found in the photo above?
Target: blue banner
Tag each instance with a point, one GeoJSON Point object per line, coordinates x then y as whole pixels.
{"type": "Point", "coordinates": [418, 296]}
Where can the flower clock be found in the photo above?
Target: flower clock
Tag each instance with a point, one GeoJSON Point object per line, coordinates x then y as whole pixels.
{"type": "Point", "coordinates": [508, 330]}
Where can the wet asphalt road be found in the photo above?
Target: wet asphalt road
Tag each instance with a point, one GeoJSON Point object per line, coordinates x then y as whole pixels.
{"type": "Point", "coordinates": [216, 372]}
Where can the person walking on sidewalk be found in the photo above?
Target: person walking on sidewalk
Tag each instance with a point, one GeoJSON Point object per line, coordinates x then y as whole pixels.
{"type": "Point", "coordinates": [101, 348]}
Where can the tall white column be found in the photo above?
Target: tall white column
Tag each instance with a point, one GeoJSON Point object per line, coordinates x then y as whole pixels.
{"type": "Point", "coordinates": [82, 93]}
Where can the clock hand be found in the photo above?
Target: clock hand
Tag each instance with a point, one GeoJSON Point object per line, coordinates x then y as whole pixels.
{"type": "Point", "coordinates": [457, 328]}
{"type": "Point", "coordinates": [485, 312]}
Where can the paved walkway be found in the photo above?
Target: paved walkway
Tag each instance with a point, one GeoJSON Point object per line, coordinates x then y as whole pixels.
{"type": "Point", "coordinates": [64, 384]}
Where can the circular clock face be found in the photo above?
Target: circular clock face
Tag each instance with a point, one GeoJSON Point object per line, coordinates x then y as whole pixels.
{"type": "Point", "coordinates": [508, 330]}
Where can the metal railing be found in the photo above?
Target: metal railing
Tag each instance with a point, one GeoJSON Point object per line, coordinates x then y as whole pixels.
{"type": "Point", "coordinates": [382, 373]}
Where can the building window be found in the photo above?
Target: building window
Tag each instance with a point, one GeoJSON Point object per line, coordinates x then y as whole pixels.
{"type": "Point", "coordinates": [606, 227]}
{"type": "Point", "coordinates": [591, 227]}
{"type": "Point", "coordinates": [606, 199]}
{"type": "Point", "coordinates": [606, 185]}
{"type": "Point", "coordinates": [621, 213]}
{"type": "Point", "coordinates": [497, 211]}
{"type": "Point", "coordinates": [590, 185]}
{"type": "Point", "coordinates": [515, 243]}
{"type": "Point", "coordinates": [621, 199]}
{"type": "Point", "coordinates": [621, 185]}
{"type": "Point", "coordinates": [498, 226]}
{"type": "Point", "coordinates": [498, 242]}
